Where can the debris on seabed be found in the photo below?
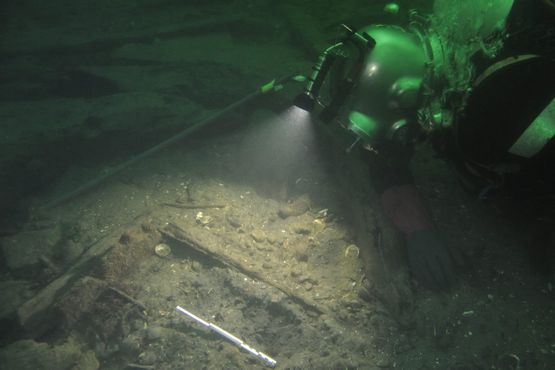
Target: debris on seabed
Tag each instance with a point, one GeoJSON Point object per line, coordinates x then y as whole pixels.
{"type": "Point", "coordinates": [468, 313]}
{"type": "Point", "coordinates": [162, 250]}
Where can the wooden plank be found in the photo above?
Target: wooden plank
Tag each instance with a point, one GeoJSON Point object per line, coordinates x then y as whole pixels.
{"type": "Point", "coordinates": [172, 231]}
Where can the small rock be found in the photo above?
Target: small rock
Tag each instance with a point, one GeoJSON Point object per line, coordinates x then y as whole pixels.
{"type": "Point", "coordinates": [147, 358]}
{"type": "Point", "coordinates": [302, 279]}
{"type": "Point", "coordinates": [302, 230]}
{"type": "Point", "coordinates": [196, 266]}
{"type": "Point", "coordinates": [131, 344]}
{"type": "Point", "coordinates": [263, 247]}
{"type": "Point", "coordinates": [233, 221]}
{"type": "Point", "coordinates": [296, 208]}
{"type": "Point", "coordinates": [258, 235]}
{"type": "Point", "coordinates": [154, 332]}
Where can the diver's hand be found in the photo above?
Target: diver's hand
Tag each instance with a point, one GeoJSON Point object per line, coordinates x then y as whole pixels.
{"type": "Point", "coordinates": [430, 261]}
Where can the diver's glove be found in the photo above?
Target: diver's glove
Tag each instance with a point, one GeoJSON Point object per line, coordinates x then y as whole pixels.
{"type": "Point", "coordinates": [430, 260]}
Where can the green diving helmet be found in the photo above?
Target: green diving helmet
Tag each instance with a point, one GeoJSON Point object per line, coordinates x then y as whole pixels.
{"type": "Point", "coordinates": [369, 82]}
{"type": "Point", "coordinates": [381, 79]}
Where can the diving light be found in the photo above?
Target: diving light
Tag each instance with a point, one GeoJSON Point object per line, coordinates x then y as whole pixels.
{"type": "Point", "coordinates": [305, 101]}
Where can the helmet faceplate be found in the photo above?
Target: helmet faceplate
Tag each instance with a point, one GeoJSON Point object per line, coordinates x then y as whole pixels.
{"type": "Point", "coordinates": [386, 93]}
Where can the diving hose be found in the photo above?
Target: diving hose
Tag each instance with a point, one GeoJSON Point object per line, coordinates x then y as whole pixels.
{"type": "Point", "coordinates": [272, 86]}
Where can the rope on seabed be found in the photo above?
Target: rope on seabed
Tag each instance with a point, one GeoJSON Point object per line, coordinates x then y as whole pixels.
{"type": "Point", "coordinates": [269, 87]}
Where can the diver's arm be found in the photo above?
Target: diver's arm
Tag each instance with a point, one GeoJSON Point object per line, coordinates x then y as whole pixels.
{"type": "Point", "coordinates": [430, 261]}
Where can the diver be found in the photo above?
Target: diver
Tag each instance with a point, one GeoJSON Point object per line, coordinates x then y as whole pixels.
{"type": "Point", "coordinates": [477, 80]}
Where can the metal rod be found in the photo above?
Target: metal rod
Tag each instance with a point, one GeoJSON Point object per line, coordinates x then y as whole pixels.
{"type": "Point", "coordinates": [232, 338]}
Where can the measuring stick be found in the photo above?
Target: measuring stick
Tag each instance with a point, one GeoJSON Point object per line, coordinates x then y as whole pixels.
{"type": "Point", "coordinates": [232, 338]}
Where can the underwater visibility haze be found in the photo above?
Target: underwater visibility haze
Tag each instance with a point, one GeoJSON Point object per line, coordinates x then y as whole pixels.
{"type": "Point", "coordinates": [251, 184]}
